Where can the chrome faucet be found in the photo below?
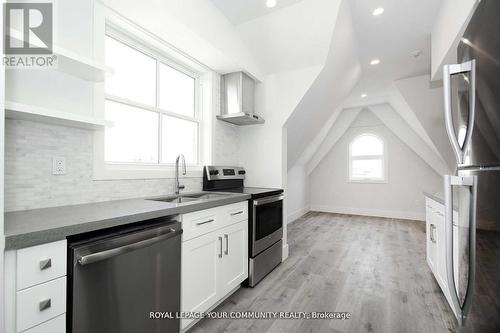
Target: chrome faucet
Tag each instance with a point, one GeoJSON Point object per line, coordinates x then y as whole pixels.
{"type": "Point", "coordinates": [178, 186]}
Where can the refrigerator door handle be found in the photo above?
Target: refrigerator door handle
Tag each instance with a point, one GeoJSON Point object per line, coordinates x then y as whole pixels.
{"type": "Point", "coordinates": [472, 248]}
{"type": "Point", "coordinates": [449, 182]}
{"type": "Point", "coordinates": [448, 71]}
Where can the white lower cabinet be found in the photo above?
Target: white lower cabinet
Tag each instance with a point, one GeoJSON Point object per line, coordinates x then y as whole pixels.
{"type": "Point", "coordinates": [214, 264]}
{"type": "Point", "coordinates": [56, 325]}
{"type": "Point", "coordinates": [40, 303]}
{"type": "Point", "coordinates": [35, 289]}
{"type": "Point", "coordinates": [436, 244]}
{"type": "Point", "coordinates": [199, 273]}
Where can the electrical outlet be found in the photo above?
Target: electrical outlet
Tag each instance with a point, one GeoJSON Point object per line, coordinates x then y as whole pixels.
{"type": "Point", "coordinates": [58, 165]}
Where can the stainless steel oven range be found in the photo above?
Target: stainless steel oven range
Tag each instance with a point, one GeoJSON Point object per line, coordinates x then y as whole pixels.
{"type": "Point", "coordinates": [265, 218]}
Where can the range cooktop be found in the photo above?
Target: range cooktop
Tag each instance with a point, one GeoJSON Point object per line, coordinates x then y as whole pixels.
{"type": "Point", "coordinates": [255, 192]}
{"type": "Point", "coordinates": [231, 179]}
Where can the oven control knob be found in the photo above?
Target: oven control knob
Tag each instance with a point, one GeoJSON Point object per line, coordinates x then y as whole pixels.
{"type": "Point", "coordinates": [214, 172]}
{"type": "Point", "coordinates": [242, 172]}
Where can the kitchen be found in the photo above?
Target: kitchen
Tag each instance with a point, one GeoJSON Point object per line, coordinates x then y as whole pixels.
{"type": "Point", "coordinates": [279, 165]}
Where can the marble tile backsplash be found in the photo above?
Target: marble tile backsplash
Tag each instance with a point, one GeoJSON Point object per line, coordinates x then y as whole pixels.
{"type": "Point", "coordinates": [29, 183]}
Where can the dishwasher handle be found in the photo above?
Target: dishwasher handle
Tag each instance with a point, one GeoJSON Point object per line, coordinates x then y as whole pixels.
{"type": "Point", "coordinates": [102, 255]}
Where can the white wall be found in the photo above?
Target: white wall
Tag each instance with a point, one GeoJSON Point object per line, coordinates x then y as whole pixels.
{"type": "Point", "coordinates": [400, 197]}
{"type": "Point", "coordinates": [449, 27]}
{"type": "Point", "coordinates": [297, 193]}
{"type": "Point", "coordinates": [426, 100]}
{"type": "Point", "coordinates": [262, 146]}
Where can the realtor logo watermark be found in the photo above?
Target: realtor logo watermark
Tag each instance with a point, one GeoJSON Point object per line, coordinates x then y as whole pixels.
{"type": "Point", "coordinates": [28, 35]}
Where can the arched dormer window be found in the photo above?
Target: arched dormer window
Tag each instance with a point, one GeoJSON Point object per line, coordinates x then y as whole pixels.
{"type": "Point", "coordinates": [367, 159]}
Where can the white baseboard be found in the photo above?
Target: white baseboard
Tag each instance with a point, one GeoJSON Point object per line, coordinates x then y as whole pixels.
{"type": "Point", "coordinates": [404, 215]}
{"type": "Point", "coordinates": [297, 214]}
{"type": "Point", "coordinates": [284, 254]}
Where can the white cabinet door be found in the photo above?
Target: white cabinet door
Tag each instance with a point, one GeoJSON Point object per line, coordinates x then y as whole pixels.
{"type": "Point", "coordinates": [233, 268]}
{"type": "Point", "coordinates": [200, 258]}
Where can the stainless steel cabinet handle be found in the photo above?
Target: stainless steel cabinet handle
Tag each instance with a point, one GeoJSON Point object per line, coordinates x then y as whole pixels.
{"type": "Point", "coordinates": [431, 231]}
{"type": "Point", "coordinates": [227, 244]}
{"type": "Point", "coordinates": [98, 256]}
{"type": "Point", "coordinates": [205, 222]}
{"type": "Point", "coordinates": [44, 305]}
{"type": "Point", "coordinates": [220, 253]}
{"type": "Point", "coordinates": [237, 213]}
{"type": "Point", "coordinates": [44, 264]}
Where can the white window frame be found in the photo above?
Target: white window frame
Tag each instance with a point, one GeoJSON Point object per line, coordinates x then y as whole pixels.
{"type": "Point", "coordinates": [383, 157]}
{"type": "Point", "coordinates": [205, 78]}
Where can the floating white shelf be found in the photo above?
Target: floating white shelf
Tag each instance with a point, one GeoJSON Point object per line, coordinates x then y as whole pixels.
{"type": "Point", "coordinates": [74, 64]}
{"type": "Point", "coordinates": [14, 110]}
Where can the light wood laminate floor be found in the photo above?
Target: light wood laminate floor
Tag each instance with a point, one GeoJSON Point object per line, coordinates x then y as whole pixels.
{"type": "Point", "coordinates": [374, 268]}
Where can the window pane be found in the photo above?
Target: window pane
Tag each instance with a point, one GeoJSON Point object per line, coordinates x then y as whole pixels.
{"type": "Point", "coordinates": [132, 135]}
{"type": "Point", "coordinates": [367, 145]}
{"type": "Point", "coordinates": [134, 75]}
{"type": "Point", "coordinates": [176, 91]}
{"type": "Point", "coordinates": [371, 169]}
{"type": "Point", "coordinates": [179, 137]}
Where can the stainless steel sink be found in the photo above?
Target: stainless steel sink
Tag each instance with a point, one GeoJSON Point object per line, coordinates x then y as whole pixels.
{"type": "Point", "coordinates": [178, 199]}
{"type": "Point", "coordinates": [190, 197]}
{"type": "Point", "coordinates": [206, 196]}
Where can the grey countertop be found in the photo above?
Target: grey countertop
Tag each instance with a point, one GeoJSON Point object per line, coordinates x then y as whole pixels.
{"type": "Point", "coordinates": [438, 197]}
{"type": "Point", "coordinates": [38, 226]}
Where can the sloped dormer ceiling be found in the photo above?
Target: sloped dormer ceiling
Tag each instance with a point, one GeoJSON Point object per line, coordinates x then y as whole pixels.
{"type": "Point", "coordinates": [334, 83]}
{"type": "Point", "coordinates": [393, 121]}
{"type": "Point", "coordinates": [400, 39]}
{"type": "Point", "coordinates": [293, 37]}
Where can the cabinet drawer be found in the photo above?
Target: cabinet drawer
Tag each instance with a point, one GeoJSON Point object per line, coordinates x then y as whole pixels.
{"type": "Point", "coordinates": [56, 325]}
{"type": "Point", "coordinates": [237, 212]}
{"type": "Point", "coordinates": [204, 221]}
{"type": "Point", "coordinates": [38, 304]}
{"type": "Point", "coordinates": [41, 263]}
{"type": "Point", "coordinates": [199, 223]}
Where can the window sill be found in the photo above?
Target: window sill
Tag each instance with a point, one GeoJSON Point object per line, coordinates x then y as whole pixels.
{"type": "Point", "coordinates": [130, 172]}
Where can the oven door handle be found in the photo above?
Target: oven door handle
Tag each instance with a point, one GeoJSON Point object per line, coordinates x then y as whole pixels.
{"type": "Point", "coordinates": [264, 201]}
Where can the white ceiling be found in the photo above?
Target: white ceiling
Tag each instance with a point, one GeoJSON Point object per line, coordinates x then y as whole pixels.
{"type": "Point", "coordinates": [404, 27]}
{"type": "Point", "coordinates": [239, 11]}
{"type": "Point", "coordinates": [296, 37]}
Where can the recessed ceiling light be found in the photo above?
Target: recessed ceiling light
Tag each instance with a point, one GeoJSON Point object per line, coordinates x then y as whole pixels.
{"type": "Point", "coordinates": [363, 95]}
{"type": "Point", "coordinates": [466, 41]}
{"type": "Point", "coordinates": [270, 3]}
{"type": "Point", "coordinates": [375, 62]}
{"type": "Point", "coordinates": [378, 11]}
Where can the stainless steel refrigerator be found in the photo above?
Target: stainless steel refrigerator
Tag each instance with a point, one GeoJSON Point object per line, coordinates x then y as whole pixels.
{"type": "Point", "coordinates": [472, 195]}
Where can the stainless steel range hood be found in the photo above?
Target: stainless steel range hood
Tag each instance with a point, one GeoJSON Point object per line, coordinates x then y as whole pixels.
{"type": "Point", "coordinates": [238, 100]}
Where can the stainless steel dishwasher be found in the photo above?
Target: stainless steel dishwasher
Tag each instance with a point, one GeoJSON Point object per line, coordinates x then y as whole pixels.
{"type": "Point", "coordinates": [118, 277]}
